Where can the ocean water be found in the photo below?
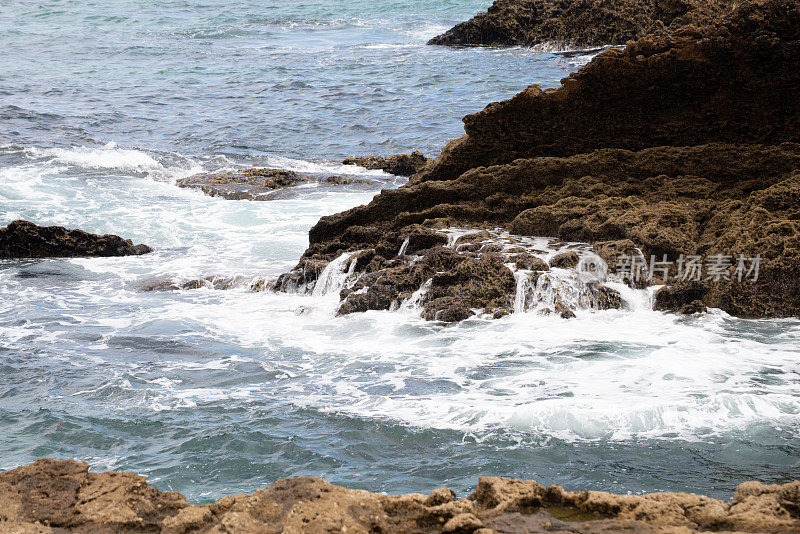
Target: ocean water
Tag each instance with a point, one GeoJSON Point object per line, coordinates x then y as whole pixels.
{"type": "Point", "coordinates": [209, 392]}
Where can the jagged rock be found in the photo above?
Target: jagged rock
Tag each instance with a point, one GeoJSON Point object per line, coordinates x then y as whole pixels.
{"type": "Point", "coordinates": [400, 165]}
{"type": "Point", "coordinates": [609, 299]}
{"type": "Point", "coordinates": [23, 239]}
{"type": "Point", "coordinates": [61, 497]}
{"type": "Point", "coordinates": [695, 86]}
{"type": "Point", "coordinates": [704, 163]}
{"type": "Point", "coordinates": [676, 297]}
{"type": "Point", "coordinates": [213, 282]}
{"type": "Point", "coordinates": [565, 260]}
{"type": "Point", "coordinates": [421, 238]}
{"type": "Point", "coordinates": [562, 310]}
{"type": "Point", "coordinates": [473, 283]}
{"type": "Point", "coordinates": [580, 23]}
{"type": "Point", "coordinates": [693, 307]}
{"type": "Point", "coordinates": [529, 262]}
{"type": "Point", "coordinates": [245, 184]}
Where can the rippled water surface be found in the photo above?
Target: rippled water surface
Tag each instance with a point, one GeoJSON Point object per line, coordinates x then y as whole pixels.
{"type": "Point", "coordinates": [103, 106]}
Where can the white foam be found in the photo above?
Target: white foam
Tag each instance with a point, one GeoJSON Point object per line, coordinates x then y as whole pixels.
{"type": "Point", "coordinates": [331, 167]}
{"type": "Point", "coordinates": [107, 157]}
{"type": "Point", "coordinates": [616, 375]}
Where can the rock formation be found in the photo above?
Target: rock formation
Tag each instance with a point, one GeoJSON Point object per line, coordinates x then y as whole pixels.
{"type": "Point", "coordinates": [578, 23]}
{"type": "Point", "coordinates": [681, 144]}
{"type": "Point", "coordinates": [400, 165]}
{"type": "Point", "coordinates": [23, 239]}
{"type": "Point", "coordinates": [50, 497]}
{"type": "Point", "coordinates": [246, 184]}
{"type": "Point", "coordinates": [253, 184]}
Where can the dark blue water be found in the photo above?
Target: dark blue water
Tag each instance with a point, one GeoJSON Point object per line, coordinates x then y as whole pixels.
{"type": "Point", "coordinates": [104, 105]}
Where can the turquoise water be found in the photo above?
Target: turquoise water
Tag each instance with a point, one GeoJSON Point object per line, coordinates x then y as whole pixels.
{"type": "Point", "coordinates": [104, 105]}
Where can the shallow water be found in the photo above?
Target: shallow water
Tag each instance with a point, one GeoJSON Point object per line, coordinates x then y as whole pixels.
{"type": "Point", "coordinates": [212, 392]}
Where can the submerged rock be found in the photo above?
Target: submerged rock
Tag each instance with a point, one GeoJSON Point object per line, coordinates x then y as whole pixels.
{"type": "Point", "coordinates": [255, 183]}
{"type": "Point", "coordinates": [246, 184]}
{"type": "Point", "coordinates": [62, 496]}
{"type": "Point", "coordinates": [579, 23]}
{"type": "Point", "coordinates": [400, 165]}
{"type": "Point", "coordinates": [23, 239]}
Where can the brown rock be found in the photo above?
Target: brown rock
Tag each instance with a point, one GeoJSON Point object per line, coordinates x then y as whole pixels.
{"type": "Point", "coordinates": [23, 239]}
{"type": "Point", "coordinates": [692, 308]}
{"type": "Point", "coordinates": [704, 163]}
{"type": "Point", "coordinates": [676, 297]}
{"type": "Point", "coordinates": [52, 496]}
{"type": "Point", "coordinates": [695, 86]}
{"type": "Point", "coordinates": [565, 260]}
{"type": "Point", "coordinates": [400, 165]}
{"type": "Point", "coordinates": [580, 23]}
{"type": "Point", "coordinates": [609, 299]}
{"type": "Point", "coordinates": [246, 184]}
{"type": "Point", "coordinates": [473, 283]}
{"type": "Point", "coordinates": [529, 262]}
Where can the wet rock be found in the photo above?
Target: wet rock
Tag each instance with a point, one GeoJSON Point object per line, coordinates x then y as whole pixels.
{"type": "Point", "coordinates": [581, 23]}
{"type": "Point", "coordinates": [565, 260]}
{"type": "Point", "coordinates": [23, 239]}
{"type": "Point", "coordinates": [341, 180]}
{"type": "Point", "coordinates": [419, 238]}
{"type": "Point", "coordinates": [61, 496]}
{"type": "Point", "coordinates": [474, 283]}
{"type": "Point", "coordinates": [447, 310]}
{"type": "Point", "coordinates": [609, 299]}
{"type": "Point", "coordinates": [676, 297]}
{"type": "Point", "coordinates": [703, 164]}
{"type": "Point", "coordinates": [212, 282]}
{"type": "Point", "coordinates": [388, 286]}
{"type": "Point", "coordinates": [529, 262]}
{"type": "Point", "coordinates": [245, 184]}
{"type": "Point", "coordinates": [400, 165]}
{"type": "Point", "coordinates": [562, 310]}
{"type": "Point", "coordinates": [616, 252]}
{"type": "Point", "coordinates": [693, 308]}
{"type": "Point", "coordinates": [680, 89]}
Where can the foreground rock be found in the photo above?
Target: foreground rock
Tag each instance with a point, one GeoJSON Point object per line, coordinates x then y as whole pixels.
{"type": "Point", "coordinates": [580, 23]}
{"type": "Point", "coordinates": [680, 145]}
{"type": "Point", "coordinates": [23, 239]}
{"type": "Point", "coordinates": [52, 496]}
{"type": "Point", "coordinates": [401, 165]}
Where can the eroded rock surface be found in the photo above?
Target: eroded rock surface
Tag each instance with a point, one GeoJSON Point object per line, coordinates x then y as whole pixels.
{"type": "Point", "coordinates": [246, 184]}
{"type": "Point", "coordinates": [255, 183]}
{"type": "Point", "coordinates": [580, 23]}
{"type": "Point", "coordinates": [681, 144]}
{"type": "Point", "coordinates": [23, 239]}
{"type": "Point", "coordinates": [52, 497]}
{"type": "Point", "coordinates": [400, 165]}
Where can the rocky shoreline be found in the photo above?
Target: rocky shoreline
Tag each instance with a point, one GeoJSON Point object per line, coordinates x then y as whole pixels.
{"type": "Point", "coordinates": [582, 23]}
{"type": "Point", "coordinates": [61, 496]}
{"type": "Point", "coordinates": [680, 146]}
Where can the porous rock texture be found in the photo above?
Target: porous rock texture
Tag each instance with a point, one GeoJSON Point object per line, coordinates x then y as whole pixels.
{"type": "Point", "coordinates": [245, 184]}
{"type": "Point", "coordinates": [578, 23]}
{"type": "Point", "coordinates": [52, 496]}
{"type": "Point", "coordinates": [400, 165]}
{"type": "Point", "coordinates": [23, 239]}
{"type": "Point", "coordinates": [253, 183]}
{"type": "Point", "coordinates": [681, 144]}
